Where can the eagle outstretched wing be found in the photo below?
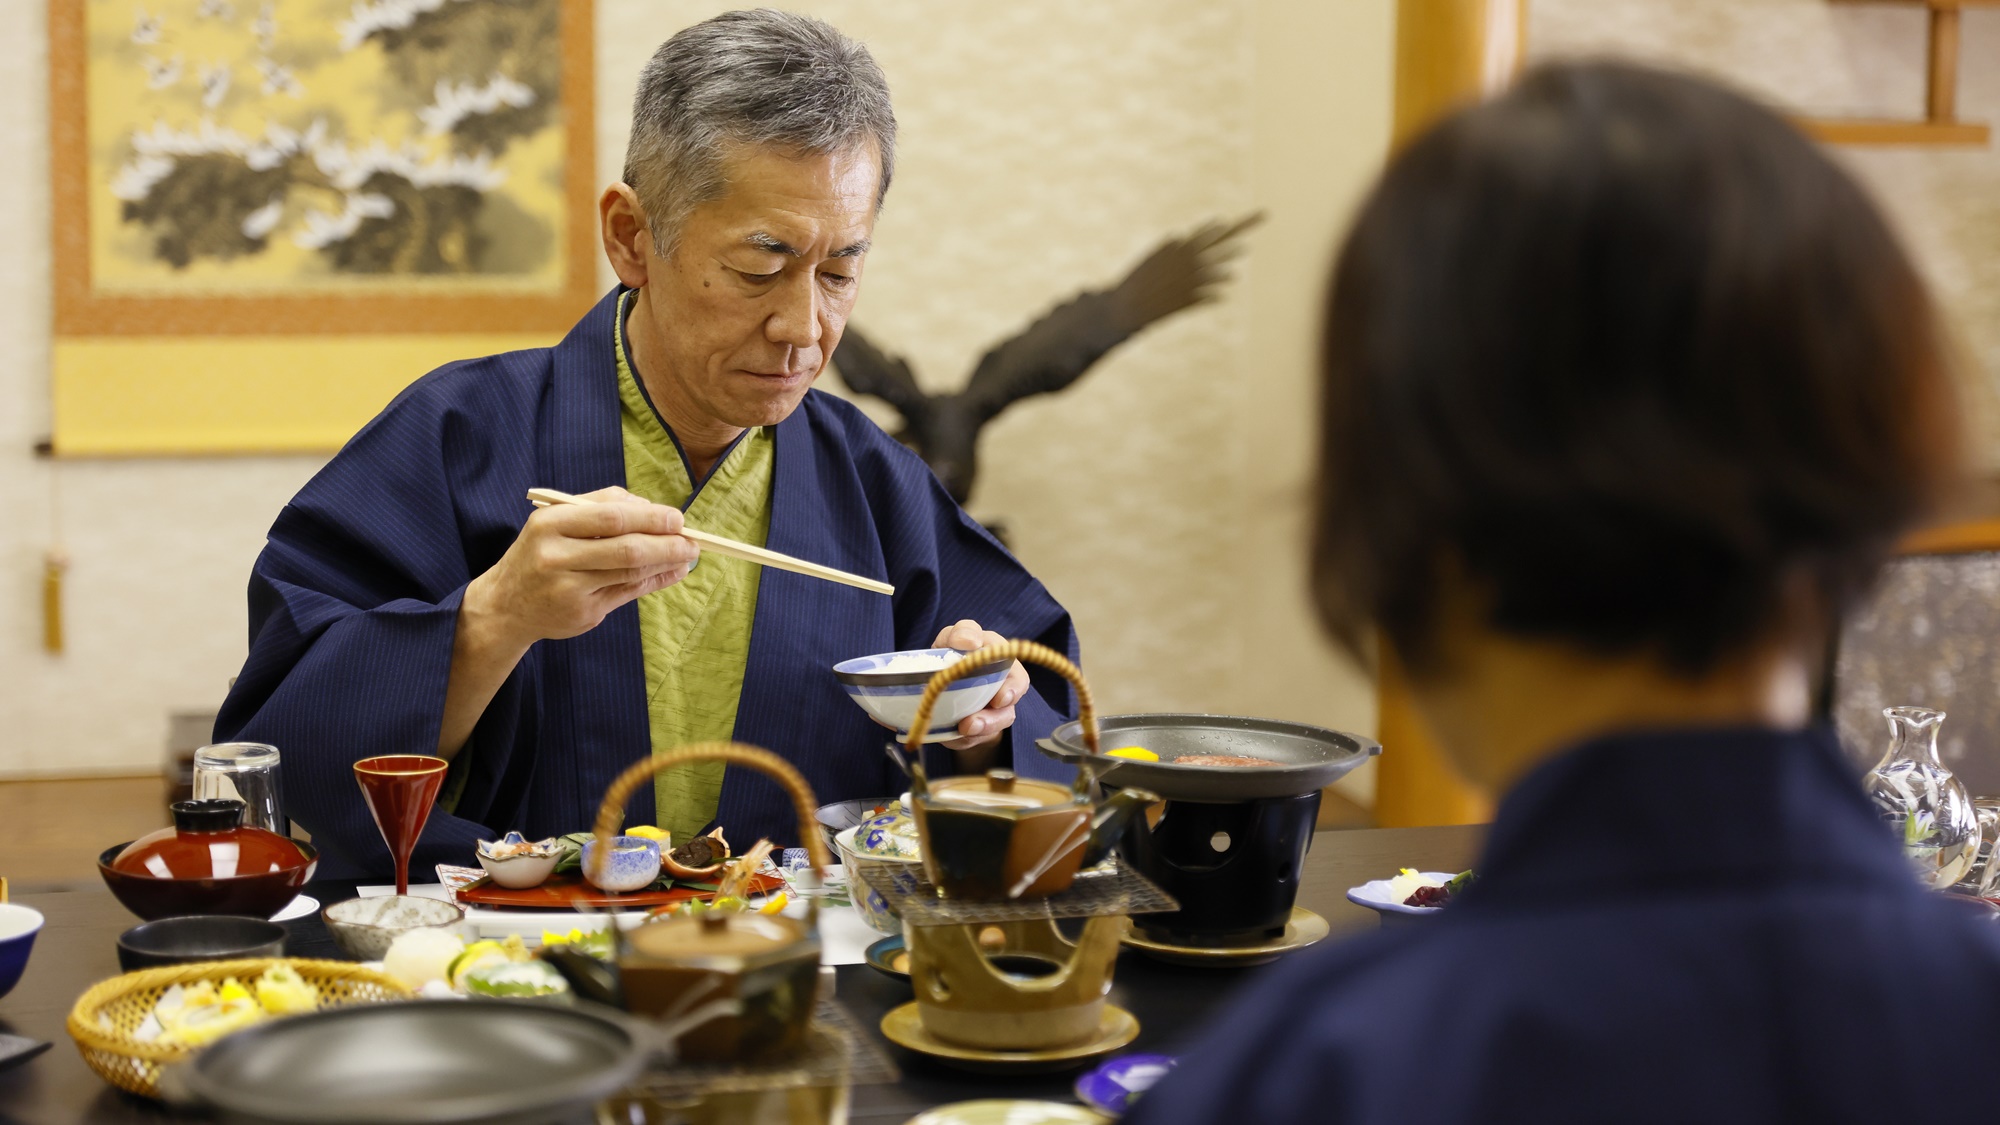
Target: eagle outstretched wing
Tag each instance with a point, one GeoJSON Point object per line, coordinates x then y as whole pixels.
{"type": "Point", "coordinates": [868, 370]}
{"type": "Point", "coordinates": [1056, 350]}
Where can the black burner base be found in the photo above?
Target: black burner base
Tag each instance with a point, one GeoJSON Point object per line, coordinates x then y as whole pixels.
{"type": "Point", "coordinates": [1234, 868]}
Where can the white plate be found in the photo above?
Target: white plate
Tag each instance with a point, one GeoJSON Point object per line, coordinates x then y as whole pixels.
{"type": "Point", "coordinates": [297, 908]}
{"type": "Point", "coordinates": [1374, 895]}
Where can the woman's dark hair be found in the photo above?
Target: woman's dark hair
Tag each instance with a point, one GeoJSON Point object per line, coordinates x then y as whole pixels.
{"type": "Point", "coordinates": [1627, 354]}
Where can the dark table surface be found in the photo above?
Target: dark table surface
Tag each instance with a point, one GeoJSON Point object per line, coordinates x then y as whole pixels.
{"type": "Point", "coordinates": [77, 948]}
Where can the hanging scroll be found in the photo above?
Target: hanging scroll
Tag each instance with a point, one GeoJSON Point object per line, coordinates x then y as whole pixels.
{"type": "Point", "coordinates": [271, 215]}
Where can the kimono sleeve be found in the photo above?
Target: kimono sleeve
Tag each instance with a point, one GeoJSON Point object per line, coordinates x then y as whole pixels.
{"type": "Point", "coordinates": [353, 611]}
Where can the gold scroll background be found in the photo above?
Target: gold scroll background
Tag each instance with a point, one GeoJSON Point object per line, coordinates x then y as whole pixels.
{"type": "Point", "coordinates": [270, 349]}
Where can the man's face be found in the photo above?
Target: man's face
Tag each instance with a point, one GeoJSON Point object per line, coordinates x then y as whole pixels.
{"type": "Point", "coordinates": [756, 293]}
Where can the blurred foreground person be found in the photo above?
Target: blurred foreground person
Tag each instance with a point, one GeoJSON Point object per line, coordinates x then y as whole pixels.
{"type": "Point", "coordinates": [411, 601]}
{"type": "Point", "coordinates": [1628, 390]}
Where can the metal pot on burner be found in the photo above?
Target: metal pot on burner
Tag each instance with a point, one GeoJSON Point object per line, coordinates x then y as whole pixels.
{"type": "Point", "coordinates": [1230, 840]}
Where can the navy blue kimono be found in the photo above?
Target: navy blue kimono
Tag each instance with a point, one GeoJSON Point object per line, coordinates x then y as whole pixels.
{"type": "Point", "coordinates": [1675, 927]}
{"type": "Point", "coordinates": [354, 603]}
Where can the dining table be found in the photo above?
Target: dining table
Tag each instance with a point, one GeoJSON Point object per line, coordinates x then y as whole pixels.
{"type": "Point", "coordinates": [1174, 1003]}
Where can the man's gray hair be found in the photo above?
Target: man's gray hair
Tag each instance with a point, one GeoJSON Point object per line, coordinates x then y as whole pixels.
{"type": "Point", "coordinates": [760, 77]}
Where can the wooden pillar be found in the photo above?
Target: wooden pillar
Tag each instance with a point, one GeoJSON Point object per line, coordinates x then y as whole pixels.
{"type": "Point", "coordinates": [1941, 85]}
{"type": "Point", "coordinates": [1448, 53]}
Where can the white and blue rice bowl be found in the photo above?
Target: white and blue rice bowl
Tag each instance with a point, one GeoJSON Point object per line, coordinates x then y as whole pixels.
{"type": "Point", "coordinates": [869, 903]}
{"type": "Point", "coordinates": [634, 863]}
{"type": "Point", "coordinates": [890, 698]}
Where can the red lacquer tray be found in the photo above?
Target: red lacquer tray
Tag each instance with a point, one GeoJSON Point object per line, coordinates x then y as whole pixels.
{"type": "Point", "coordinates": [567, 891]}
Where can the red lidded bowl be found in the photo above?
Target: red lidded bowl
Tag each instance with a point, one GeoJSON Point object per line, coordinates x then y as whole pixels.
{"type": "Point", "coordinates": [207, 863]}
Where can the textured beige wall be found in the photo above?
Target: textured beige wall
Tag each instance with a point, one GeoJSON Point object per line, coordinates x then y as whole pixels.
{"type": "Point", "coordinates": [1046, 145]}
{"type": "Point", "coordinates": [1813, 57]}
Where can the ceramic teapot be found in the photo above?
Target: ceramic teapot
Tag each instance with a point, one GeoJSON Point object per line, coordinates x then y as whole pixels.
{"type": "Point", "coordinates": [1001, 836]}
{"type": "Point", "coordinates": [732, 986]}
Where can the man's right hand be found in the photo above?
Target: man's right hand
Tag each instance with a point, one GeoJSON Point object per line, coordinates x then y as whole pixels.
{"type": "Point", "coordinates": [569, 568]}
{"type": "Point", "coordinates": [573, 564]}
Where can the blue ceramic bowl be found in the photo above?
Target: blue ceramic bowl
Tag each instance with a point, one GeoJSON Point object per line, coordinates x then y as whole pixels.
{"type": "Point", "coordinates": [890, 698]}
{"type": "Point", "coordinates": [1112, 1088]}
{"type": "Point", "coordinates": [633, 864]}
{"type": "Point", "coordinates": [18, 927]}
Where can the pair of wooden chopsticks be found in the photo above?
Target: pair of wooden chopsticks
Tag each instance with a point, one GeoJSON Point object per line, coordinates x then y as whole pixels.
{"type": "Point", "coordinates": [544, 497]}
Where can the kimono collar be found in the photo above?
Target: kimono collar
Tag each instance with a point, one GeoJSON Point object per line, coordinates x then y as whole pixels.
{"type": "Point", "coordinates": [581, 445]}
{"type": "Point", "coordinates": [1655, 811]}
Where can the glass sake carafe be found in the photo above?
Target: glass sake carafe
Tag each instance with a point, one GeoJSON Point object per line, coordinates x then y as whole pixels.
{"type": "Point", "coordinates": [1928, 808]}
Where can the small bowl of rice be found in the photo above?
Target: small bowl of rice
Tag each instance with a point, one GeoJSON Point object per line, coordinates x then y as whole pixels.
{"type": "Point", "coordinates": [888, 685]}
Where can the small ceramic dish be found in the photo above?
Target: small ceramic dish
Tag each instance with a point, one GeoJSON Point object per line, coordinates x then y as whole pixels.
{"type": "Point", "coordinates": [520, 864]}
{"type": "Point", "coordinates": [873, 908]}
{"type": "Point", "coordinates": [890, 696]}
{"type": "Point", "coordinates": [363, 928]}
{"type": "Point", "coordinates": [1375, 895]}
{"type": "Point", "coordinates": [1112, 1088]}
{"type": "Point", "coordinates": [633, 864]}
{"type": "Point", "coordinates": [889, 958]}
{"type": "Point", "coordinates": [198, 937]}
{"type": "Point", "coordinates": [18, 927]}
{"type": "Point", "coordinates": [842, 815]}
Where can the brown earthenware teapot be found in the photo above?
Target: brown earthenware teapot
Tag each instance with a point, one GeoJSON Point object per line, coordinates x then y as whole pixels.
{"type": "Point", "coordinates": [1006, 837]}
{"type": "Point", "coordinates": [757, 974]}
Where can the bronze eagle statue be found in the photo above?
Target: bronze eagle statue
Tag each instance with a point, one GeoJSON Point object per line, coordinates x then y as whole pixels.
{"type": "Point", "coordinates": [1045, 357]}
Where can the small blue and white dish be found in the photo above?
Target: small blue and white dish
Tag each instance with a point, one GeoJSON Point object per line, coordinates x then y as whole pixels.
{"type": "Point", "coordinates": [1376, 896]}
{"type": "Point", "coordinates": [633, 864]}
{"type": "Point", "coordinates": [888, 685]}
{"type": "Point", "coordinates": [1112, 1088]}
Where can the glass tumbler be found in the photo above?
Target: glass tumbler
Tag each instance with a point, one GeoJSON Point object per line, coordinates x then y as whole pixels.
{"type": "Point", "coordinates": [1984, 878]}
{"type": "Point", "coordinates": [248, 772]}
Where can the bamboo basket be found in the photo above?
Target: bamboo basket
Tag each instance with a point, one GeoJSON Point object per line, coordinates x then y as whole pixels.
{"type": "Point", "coordinates": [1027, 651]}
{"type": "Point", "coordinates": [108, 1014]}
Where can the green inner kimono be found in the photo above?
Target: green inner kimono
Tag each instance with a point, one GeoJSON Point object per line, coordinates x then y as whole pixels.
{"type": "Point", "coordinates": [695, 634]}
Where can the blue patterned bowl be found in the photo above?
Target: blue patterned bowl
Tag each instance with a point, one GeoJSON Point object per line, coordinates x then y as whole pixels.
{"type": "Point", "coordinates": [890, 696]}
{"type": "Point", "coordinates": [633, 864]}
{"type": "Point", "coordinates": [872, 907]}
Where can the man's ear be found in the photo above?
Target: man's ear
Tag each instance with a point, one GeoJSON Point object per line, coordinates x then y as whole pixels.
{"type": "Point", "coordinates": [628, 241]}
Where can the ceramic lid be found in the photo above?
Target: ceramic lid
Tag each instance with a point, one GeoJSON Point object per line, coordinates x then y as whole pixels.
{"type": "Point", "coordinates": [1000, 790]}
{"type": "Point", "coordinates": [892, 833]}
{"type": "Point", "coordinates": [208, 842]}
{"type": "Point", "coordinates": [717, 933]}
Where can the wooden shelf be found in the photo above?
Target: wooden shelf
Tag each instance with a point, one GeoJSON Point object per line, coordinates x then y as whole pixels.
{"type": "Point", "coordinates": [1857, 131]}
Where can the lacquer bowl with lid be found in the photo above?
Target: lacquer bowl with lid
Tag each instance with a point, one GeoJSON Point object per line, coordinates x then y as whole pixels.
{"type": "Point", "coordinates": [207, 863]}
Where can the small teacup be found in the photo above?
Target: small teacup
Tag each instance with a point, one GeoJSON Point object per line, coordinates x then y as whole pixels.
{"type": "Point", "coordinates": [634, 862]}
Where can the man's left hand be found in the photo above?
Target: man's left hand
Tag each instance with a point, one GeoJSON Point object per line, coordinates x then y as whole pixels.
{"type": "Point", "coordinates": [979, 734]}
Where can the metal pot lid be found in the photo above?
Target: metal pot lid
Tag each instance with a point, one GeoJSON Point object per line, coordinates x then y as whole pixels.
{"type": "Point", "coordinates": [1302, 757]}
{"type": "Point", "coordinates": [433, 1062]}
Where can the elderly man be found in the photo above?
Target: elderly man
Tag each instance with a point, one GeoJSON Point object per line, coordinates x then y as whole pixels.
{"type": "Point", "coordinates": [410, 600]}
